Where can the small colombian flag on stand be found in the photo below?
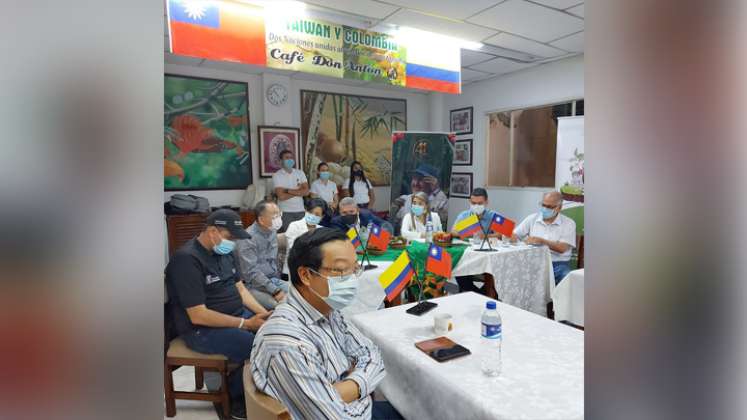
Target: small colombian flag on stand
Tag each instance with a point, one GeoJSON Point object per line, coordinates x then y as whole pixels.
{"type": "Point", "coordinates": [439, 261]}
{"type": "Point", "coordinates": [467, 226]}
{"type": "Point", "coordinates": [397, 276]}
{"type": "Point", "coordinates": [354, 238]}
{"type": "Point", "coordinates": [502, 225]}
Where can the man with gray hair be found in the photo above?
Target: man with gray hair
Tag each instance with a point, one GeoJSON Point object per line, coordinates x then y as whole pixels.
{"type": "Point", "coordinates": [550, 228]}
{"type": "Point", "coordinates": [352, 216]}
{"type": "Point", "coordinates": [258, 256]}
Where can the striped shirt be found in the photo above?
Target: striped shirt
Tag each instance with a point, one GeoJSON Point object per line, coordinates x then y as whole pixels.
{"type": "Point", "coordinates": [299, 354]}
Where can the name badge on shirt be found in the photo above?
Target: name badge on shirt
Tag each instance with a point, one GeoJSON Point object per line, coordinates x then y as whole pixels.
{"type": "Point", "coordinates": [211, 279]}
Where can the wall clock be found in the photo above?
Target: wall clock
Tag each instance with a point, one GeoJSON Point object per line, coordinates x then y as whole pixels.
{"type": "Point", "coordinates": [277, 94]}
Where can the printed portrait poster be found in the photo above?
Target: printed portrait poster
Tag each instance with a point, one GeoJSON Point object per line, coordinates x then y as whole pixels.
{"type": "Point", "coordinates": [421, 162]}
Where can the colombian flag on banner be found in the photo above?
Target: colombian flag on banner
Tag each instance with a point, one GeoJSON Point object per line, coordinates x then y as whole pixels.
{"type": "Point", "coordinates": [217, 30]}
{"type": "Point", "coordinates": [467, 226]}
{"type": "Point", "coordinates": [502, 225]}
{"type": "Point", "coordinates": [439, 261]}
{"type": "Point", "coordinates": [354, 238]}
{"type": "Point", "coordinates": [397, 276]}
{"type": "Point", "coordinates": [379, 238]}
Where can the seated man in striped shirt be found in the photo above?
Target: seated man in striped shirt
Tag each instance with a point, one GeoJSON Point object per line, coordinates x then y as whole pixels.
{"type": "Point", "coordinates": [307, 355]}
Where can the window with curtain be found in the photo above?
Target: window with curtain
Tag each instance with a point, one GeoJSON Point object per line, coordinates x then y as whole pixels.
{"type": "Point", "coordinates": [521, 144]}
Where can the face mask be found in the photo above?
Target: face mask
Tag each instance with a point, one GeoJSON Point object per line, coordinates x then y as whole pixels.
{"type": "Point", "coordinates": [288, 163]}
{"type": "Point", "coordinates": [342, 291]}
{"type": "Point", "coordinates": [312, 219]}
{"type": "Point", "coordinates": [358, 172]}
{"type": "Point", "coordinates": [325, 175]}
{"type": "Point", "coordinates": [477, 208]}
{"type": "Point", "coordinates": [224, 247]}
{"type": "Point", "coordinates": [417, 210]}
{"type": "Point", "coordinates": [547, 213]}
{"type": "Point", "coordinates": [277, 223]}
{"type": "Point", "coordinates": [350, 219]}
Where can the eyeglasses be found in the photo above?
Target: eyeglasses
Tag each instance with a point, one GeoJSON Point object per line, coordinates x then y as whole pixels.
{"type": "Point", "coordinates": [357, 271]}
{"type": "Point", "coordinates": [547, 206]}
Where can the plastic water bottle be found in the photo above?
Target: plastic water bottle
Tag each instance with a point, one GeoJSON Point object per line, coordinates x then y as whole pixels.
{"type": "Point", "coordinates": [491, 340]}
{"type": "Point", "coordinates": [428, 231]}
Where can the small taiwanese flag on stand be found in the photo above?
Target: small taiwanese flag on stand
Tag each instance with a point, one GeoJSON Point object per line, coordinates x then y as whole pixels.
{"type": "Point", "coordinates": [502, 225]}
{"type": "Point", "coordinates": [354, 238]}
{"type": "Point", "coordinates": [378, 239]}
{"type": "Point", "coordinates": [439, 261]}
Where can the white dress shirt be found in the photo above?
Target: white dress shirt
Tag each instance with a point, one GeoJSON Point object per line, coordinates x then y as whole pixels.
{"type": "Point", "coordinates": [326, 191]}
{"type": "Point", "coordinates": [290, 180]}
{"type": "Point", "coordinates": [360, 190]}
{"type": "Point", "coordinates": [562, 229]}
{"type": "Point", "coordinates": [412, 233]}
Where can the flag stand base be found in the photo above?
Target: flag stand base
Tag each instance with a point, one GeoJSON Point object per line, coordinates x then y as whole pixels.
{"type": "Point", "coordinates": [369, 267]}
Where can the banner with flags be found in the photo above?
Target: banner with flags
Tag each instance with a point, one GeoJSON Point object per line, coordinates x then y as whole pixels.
{"type": "Point", "coordinates": [467, 226]}
{"type": "Point", "coordinates": [378, 238]}
{"type": "Point", "coordinates": [397, 276]}
{"type": "Point", "coordinates": [354, 238]}
{"type": "Point", "coordinates": [502, 225]}
{"type": "Point", "coordinates": [438, 261]}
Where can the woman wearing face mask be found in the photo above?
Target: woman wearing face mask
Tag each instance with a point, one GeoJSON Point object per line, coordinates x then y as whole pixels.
{"type": "Point", "coordinates": [414, 223]}
{"type": "Point", "coordinates": [315, 209]}
{"type": "Point", "coordinates": [358, 187]}
{"type": "Point", "coordinates": [324, 187]}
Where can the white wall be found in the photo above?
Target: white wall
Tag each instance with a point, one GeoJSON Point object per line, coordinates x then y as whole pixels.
{"type": "Point", "coordinates": [263, 113]}
{"type": "Point", "coordinates": [544, 84]}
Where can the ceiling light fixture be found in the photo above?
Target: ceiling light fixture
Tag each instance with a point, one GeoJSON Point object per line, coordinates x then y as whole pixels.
{"type": "Point", "coordinates": [412, 36]}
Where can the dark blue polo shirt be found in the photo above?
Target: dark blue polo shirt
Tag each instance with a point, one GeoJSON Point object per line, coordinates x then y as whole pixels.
{"type": "Point", "coordinates": [196, 276]}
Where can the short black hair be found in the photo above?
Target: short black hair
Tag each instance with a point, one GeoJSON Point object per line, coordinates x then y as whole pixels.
{"type": "Point", "coordinates": [307, 250]}
{"type": "Point", "coordinates": [314, 203]}
{"type": "Point", "coordinates": [283, 153]}
{"type": "Point", "coordinates": [318, 167]}
{"type": "Point", "coordinates": [479, 192]}
{"type": "Point", "coordinates": [261, 207]}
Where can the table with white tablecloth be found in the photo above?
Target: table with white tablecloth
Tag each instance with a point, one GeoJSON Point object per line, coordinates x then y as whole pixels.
{"type": "Point", "coordinates": [542, 375]}
{"type": "Point", "coordinates": [522, 273]}
{"type": "Point", "coordinates": [568, 298]}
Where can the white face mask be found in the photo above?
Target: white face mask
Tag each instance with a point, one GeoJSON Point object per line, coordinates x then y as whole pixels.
{"type": "Point", "coordinates": [277, 223]}
{"type": "Point", "coordinates": [477, 208]}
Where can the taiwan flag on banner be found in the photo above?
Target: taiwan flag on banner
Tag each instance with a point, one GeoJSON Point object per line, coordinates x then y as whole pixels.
{"type": "Point", "coordinates": [502, 225]}
{"type": "Point", "coordinates": [217, 30]}
{"type": "Point", "coordinates": [379, 238]}
{"type": "Point", "coordinates": [438, 262]}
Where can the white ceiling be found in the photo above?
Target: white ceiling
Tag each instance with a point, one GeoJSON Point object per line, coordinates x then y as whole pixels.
{"type": "Point", "coordinates": [516, 33]}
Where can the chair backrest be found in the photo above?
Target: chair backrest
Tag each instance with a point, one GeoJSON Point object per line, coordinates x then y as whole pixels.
{"type": "Point", "coordinates": [261, 406]}
{"type": "Point", "coordinates": [577, 215]}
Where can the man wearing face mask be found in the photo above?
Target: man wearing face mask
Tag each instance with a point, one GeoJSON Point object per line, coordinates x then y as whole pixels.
{"type": "Point", "coordinates": [291, 186]}
{"type": "Point", "coordinates": [353, 216]}
{"type": "Point", "coordinates": [308, 356]}
{"type": "Point", "coordinates": [550, 228]}
{"type": "Point", "coordinates": [478, 202]}
{"type": "Point", "coordinates": [212, 310]}
{"type": "Point", "coordinates": [258, 256]}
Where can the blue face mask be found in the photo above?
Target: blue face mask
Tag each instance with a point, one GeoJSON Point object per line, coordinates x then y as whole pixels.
{"type": "Point", "coordinates": [224, 247]}
{"type": "Point", "coordinates": [417, 209]}
{"type": "Point", "coordinates": [342, 291]}
{"type": "Point", "coordinates": [312, 219]}
{"type": "Point", "coordinates": [288, 163]}
{"type": "Point", "coordinates": [324, 176]}
{"type": "Point", "coordinates": [547, 213]}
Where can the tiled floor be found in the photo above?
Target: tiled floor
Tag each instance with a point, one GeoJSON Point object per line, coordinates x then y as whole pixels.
{"type": "Point", "coordinates": [184, 380]}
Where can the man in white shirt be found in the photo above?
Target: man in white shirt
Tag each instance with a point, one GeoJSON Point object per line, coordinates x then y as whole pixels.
{"type": "Point", "coordinates": [550, 228]}
{"type": "Point", "coordinates": [291, 186]}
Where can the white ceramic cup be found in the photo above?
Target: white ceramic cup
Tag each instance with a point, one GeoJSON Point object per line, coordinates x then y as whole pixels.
{"type": "Point", "coordinates": [442, 323]}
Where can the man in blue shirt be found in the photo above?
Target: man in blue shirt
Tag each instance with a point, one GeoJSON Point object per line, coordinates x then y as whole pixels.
{"type": "Point", "coordinates": [351, 215]}
{"type": "Point", "coordinates": [478, 202]}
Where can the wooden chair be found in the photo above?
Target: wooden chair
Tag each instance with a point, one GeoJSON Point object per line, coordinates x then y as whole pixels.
{"type": "Point", "coordinates": [176, 355]}
{"type": "Point", "coordinates": [580, 250]}
{"type": "Point", "coordinates": [260, 406]}
{"type": "Point", "coordinates": [183, 227]}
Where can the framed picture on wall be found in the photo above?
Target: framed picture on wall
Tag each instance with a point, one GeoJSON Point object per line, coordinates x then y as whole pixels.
{"type": "Point", "coordinates": [460, 120]}
{"type": "Point", "coordinates": [463, 153]}
{"type": "Point", "coordinates": [206, 134]}
{"type": "Point", "coordinates": [461, 184]}
{"type": "Point", "coordinates": [272, 141]}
